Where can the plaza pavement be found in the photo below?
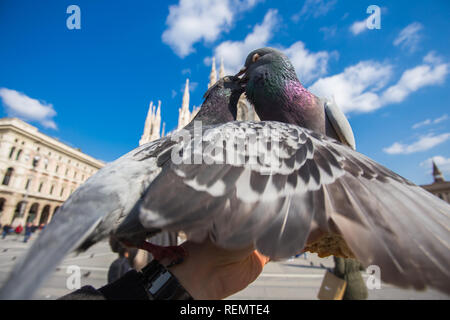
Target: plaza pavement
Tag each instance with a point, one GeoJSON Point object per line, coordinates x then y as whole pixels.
{"type": "Point", "coordinates": [293, 279]}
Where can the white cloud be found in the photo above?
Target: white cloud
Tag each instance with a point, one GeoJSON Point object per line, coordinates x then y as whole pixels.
{"type": "Point", "coordinates": [421, 124]}
{"type": "Point", "coordinates": [409, 37]}
{"type": "Point", "coordinates": [315, 8]}
{"type": "Point", "coordinates": [328, 32]}
{"type": "Point", "coordinates": [414, 79]}
{"type": "Point", "coordinates": [432, 58]}
{"type": "Point", "coordinates": [308, 65]}
{"type": "Point", "coordinates": [235, 52]}
{"type": "Point", "coordinates": [443, 164]}
{"type": "Point", "coordinates": [429, 121]}
{"type": "Point", "coordinates": [192, 21]}
{"type": "Point", "coordinates": [356, 88]}
{"type": "Point", "coordinates": [440, 119]}
{"type": "Point", "coordinates": [359, 26]}
{"type": "Point", "coordinates": [19, 105]}
{"type": "Point", "coordinates": [424, 143]}
{"type": "Point", "coordinates": [361, 87]}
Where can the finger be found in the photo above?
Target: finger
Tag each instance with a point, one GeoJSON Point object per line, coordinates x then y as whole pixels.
{"type": "Point", "coordinates": [262, 258]}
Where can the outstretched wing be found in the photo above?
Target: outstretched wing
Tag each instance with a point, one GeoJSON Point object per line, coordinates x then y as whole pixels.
{"type": "Point", "coordinates": [90, 214]}
{"type": "Point", "coordinates": [278, 186]}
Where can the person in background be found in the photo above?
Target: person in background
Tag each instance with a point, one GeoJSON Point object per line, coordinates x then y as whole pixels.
{"type": "Point", "coordinates": [350, 271]}
{"type": "Point", "coordinates": [124, 263]}
{"type": "Point", "coordinates": [18, 229]}
{"type": "Point", "coordinates": [6, 229]}
{"type": "Point", "coordinates": [28, 232]}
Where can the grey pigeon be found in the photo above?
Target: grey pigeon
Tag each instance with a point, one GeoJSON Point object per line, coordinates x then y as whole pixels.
{"type": "Point", "coordinates": [96, 208]}
{"type": "Point", "coordinates": [340, 201]}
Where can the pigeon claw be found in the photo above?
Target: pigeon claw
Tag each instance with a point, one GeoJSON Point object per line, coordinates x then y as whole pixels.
{"type": "Point", "coordinates": [169, 256]}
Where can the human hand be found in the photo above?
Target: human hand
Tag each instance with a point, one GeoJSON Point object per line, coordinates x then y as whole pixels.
{"type": "Point", "coordinates": [211, 273]}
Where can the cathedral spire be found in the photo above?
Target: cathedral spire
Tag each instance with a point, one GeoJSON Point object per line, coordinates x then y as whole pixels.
{"type": "Point", "coordinates": [222, 69]}
{"type": "Point", "coordinates": [184, 114]}
{"type": "Point", "coordinates": [148, 125]}
{"type": "Point", "coordinates": [185, 103]}
{"type": "Point", "coordinates": [156, 125]}
{"type": "Point", "coordinates": [152, 124]}
{"type": "Point", "coordinates": [213, 74]}
{"type": "Point", "coordinates": [437, 174]}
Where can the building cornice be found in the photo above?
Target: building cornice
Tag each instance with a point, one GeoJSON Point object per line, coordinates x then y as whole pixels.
{"type": "Point", "coordinates": [31, 132]}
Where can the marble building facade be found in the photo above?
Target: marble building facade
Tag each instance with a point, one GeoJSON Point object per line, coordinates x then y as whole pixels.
{"type": "Point", "coordinates": [37, 172]}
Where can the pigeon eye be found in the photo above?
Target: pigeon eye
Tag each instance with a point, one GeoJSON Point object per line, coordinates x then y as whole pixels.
{"type": "Point", "coordinates": [255, 57]}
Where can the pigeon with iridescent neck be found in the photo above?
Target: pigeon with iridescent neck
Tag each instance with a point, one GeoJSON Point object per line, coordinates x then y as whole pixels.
{"type": "Point", "coordinates": [98, 207]}
{"type": "Point", "coordinates": [340, 202]}
{"type": "Point", "coordinates": [273, 82]}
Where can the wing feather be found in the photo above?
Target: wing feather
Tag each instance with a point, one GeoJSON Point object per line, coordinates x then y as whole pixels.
{"type": "Point", "coordinates": [284, 187]}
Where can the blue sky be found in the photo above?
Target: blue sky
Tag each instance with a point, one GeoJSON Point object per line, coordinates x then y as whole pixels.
{"type": "Point", "coordinates": [91, 87]}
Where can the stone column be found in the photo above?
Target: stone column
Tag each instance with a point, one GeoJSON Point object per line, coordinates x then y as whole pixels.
{"type": "Point", "coordinates": [8, 211]}
{"type": "Point", "coordinates": [50, 215]}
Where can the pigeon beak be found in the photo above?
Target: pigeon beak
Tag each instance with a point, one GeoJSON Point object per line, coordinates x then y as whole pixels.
{"type": "Point", "coordinates": [244, 79]}
{"type": "Point", "coordinates": [241, 72]}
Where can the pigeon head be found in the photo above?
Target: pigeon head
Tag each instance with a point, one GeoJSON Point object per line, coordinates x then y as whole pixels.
{"type": "Point", "coordinates": [221, 100]}
{"type": "Point", "coordinates": [273, 87]}
{"type": "Point", "coordinates": [266, 59]}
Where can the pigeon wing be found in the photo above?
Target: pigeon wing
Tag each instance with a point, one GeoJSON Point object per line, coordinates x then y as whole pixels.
{"type": "Point", "coordinates": [340, 123]}
{"type": "Point", "coordinates": [276, 186]}
{"type": "Point", "coordinates": [86, 217]}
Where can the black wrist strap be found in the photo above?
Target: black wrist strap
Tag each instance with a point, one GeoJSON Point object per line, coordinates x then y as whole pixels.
{"type": "Point", "coordinates": [161, 284]}
{"type": "Point", "coordinates": [154, 282]}
{"type": "Point", "coordinates": [128, 287]}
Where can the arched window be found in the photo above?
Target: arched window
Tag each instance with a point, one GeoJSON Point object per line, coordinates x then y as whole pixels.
{"type": "Point", "coordinates": [2, 204]}
{"type": "Point", "coordinates": [19, 153]}
{"type": "Point", "coordinates": [7, 177]}
{"type": "Point", "coordinates": [51, 189]}
{"type": "Point", "coordinates": [20, 209]}
{"type": "Point", "coordinates": [62, 192]}
{"type": "Point", "coordinates": [44, 215]}
{"type": "Point", "coordinates": [32, 213]}
{"type": "Point", "coordinates": [12, 152]}
{"type": "Point", "coordinates": [40, 186]}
